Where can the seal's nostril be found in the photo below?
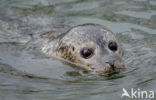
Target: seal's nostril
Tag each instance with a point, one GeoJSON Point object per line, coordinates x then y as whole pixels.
{"type": "Point", "coordinates": [111, 63]}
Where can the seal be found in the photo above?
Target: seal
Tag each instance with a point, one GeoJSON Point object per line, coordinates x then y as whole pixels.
{"type": "Point", "coordinates": [91, 46]}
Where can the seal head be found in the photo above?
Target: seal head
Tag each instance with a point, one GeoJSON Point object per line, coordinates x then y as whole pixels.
{"type": "Point", "coordinates": [92, 46]}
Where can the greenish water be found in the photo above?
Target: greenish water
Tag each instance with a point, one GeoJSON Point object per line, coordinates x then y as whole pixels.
{"type": "Point", "coordinates": [25, 74]}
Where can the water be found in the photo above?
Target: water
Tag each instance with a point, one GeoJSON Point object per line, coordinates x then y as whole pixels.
{"type": "Point", "coordinates": [26, 74]}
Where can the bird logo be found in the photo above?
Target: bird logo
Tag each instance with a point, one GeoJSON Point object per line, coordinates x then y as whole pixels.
{"type": "Point", "coordinates": [125, 93]}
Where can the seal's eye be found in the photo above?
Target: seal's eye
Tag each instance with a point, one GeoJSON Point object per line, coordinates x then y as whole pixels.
{"type": "Point", "coordinates": [113, 46]}
{"type": "Point", "coordinates": [86, 52]}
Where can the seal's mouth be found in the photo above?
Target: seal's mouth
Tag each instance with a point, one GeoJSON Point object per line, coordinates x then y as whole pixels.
{"type": "Point", "coordinates": [110, 69]}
